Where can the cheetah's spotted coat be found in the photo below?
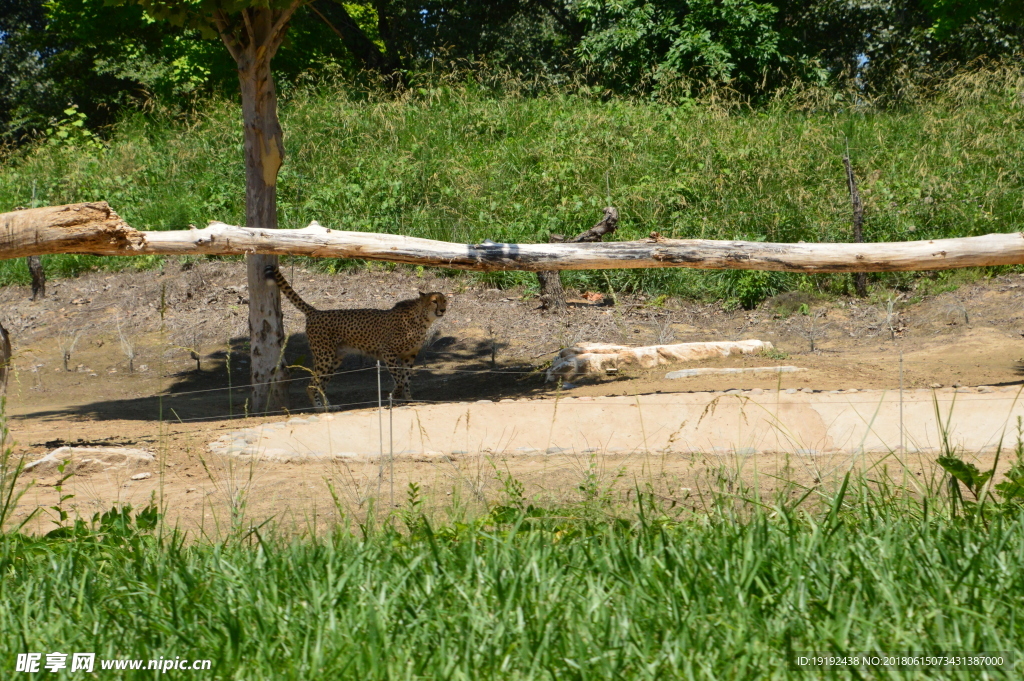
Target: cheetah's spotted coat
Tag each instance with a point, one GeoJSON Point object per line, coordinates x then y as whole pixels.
{"type": "Point", "coordinates": [392, 336]}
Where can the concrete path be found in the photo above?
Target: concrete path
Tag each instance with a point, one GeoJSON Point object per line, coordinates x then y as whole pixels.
{"type": "Point", "coordinates": [744, 422]}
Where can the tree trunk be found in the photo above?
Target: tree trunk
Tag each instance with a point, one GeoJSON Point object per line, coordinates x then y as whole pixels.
{"type": "Point", "coordinates": [253, 45]}
{"type": "Point", "coordinates": [35, 268]}
{"type": "Point", "coordinates": [387, 36]}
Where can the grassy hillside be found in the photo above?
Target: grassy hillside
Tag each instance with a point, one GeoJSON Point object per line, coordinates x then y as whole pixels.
{"type": "Point", "coordinates": [462, 165]}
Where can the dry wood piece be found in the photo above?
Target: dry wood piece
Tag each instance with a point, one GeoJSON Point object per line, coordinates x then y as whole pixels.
{"type": "Point", "coordinates": [552, 294]}
{"type": "Point", "coordinates": [35, 269]}
{"type": "Point", "coordinates": [5, 358]}
{"type": "Point", "coordinates": [595, 358]}
{"type": "Point", "coordinates": [66, 229]}
{"type": "Point", "coordinates": [77, 228]}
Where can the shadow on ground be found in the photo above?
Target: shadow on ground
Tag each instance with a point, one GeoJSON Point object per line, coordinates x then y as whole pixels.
{"type": "Point", "coordinates": [447, 370]}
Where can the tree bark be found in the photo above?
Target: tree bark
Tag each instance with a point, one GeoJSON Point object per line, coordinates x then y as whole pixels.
{"type": "Point", "coordinates": [38, 274]}
{"type": "Point", "coordinates": [95, 229]}
{"type": "Point", "coordinates": [860, 279]}
{"type": "Point", "coordinates": [253, 44]}
{"type": "Point", "coordinates": [552, 294]}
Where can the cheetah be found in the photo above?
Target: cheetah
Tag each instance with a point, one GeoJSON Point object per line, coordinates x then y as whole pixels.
{"type": "Point", "coordinates": [392, 336]}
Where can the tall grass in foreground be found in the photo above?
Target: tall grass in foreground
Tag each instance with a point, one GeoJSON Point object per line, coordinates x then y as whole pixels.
{"type": "Point", "coordinates": [530, 594]}
{"type": "Point", "coordinates": [464, 164]}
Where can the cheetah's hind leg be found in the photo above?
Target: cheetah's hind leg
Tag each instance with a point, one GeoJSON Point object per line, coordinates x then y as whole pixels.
{"type": "Point", "coordinates": [401, 374]}
{"type": "Point", "coordinates": [324, 367]}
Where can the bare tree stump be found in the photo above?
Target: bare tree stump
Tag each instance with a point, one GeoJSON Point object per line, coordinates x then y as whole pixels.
{"type": "Point", "coordinates": [860, 279]}
{"type": "Point", "coordinates": [35, 268]}
{"type": "Point", "coordinates": [5, 358]}
{"type": "Point", "coordinates": [552, 295]}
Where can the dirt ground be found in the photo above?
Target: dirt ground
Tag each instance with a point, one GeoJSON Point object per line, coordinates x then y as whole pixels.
{"type": "Point", "coordinates": [158, 360]}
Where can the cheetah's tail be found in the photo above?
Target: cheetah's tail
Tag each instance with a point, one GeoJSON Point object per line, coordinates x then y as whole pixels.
{"type": "Point", "coordinates": [272, 272]}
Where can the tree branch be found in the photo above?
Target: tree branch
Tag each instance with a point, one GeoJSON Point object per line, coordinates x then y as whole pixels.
{"type": "Point", "coordinates": [277, 32]}
{"type": "Point", "coordinates": [227, 36]}
{"type": "Point", "coordinates": [248, 27]}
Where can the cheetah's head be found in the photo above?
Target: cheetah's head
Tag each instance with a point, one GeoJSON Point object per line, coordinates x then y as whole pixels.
{"type": "Point", "coordinates": [435, 304]}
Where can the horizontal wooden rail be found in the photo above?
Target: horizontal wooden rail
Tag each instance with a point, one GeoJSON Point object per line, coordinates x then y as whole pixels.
{"type": "Point", "coordinates": [96, 229]}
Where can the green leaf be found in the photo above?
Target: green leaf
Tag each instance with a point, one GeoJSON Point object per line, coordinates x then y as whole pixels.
{"type": "Point", "coordinates": [966, 473]}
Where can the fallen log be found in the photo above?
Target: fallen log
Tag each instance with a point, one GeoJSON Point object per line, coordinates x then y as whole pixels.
{"type": "Point", "coordinates": [96, 229]}
{"type": "Point", "coordinates": [595, 358]}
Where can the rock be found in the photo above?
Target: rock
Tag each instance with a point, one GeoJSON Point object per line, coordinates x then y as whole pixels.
{"type": "Point", "coordinates": [141, 476]}
{"type": "Point", "coordinates": [84, 460]}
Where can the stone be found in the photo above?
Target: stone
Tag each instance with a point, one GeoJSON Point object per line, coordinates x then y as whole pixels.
{"type": "Point", "coordinates": [83, 460]}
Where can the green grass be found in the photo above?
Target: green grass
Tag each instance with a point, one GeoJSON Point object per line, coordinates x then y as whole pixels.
{"type": "Point", "coordinates": [461, 164]}
{"type": "Point", "coordinates": [719, 595]}
{"type": "Point", "coordinates": [731, 589]}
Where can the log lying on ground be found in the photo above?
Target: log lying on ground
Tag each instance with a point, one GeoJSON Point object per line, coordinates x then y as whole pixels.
{"type": "Point", "coordinates": [595, 358]}
{"type": "Point", "coordinates": [94, 228]}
